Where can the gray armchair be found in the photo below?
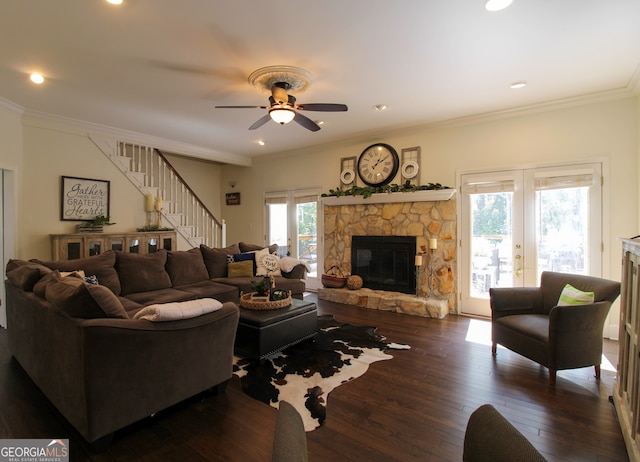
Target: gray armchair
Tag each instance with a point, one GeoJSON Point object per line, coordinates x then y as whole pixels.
{"type": "Point", "coordinates": [526, 320]}
{"type": "Point", "coordinates": [490, 437]}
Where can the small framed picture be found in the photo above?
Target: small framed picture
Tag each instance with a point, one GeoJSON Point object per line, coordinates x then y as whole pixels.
{"type": "Point", "coordinates": [233, 198]}
{"type": "Point", "coordinates": [83, 199]}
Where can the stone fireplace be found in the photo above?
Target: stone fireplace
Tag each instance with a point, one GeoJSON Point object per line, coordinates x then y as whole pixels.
{"type": "Point", "coordinates": [422, 215]}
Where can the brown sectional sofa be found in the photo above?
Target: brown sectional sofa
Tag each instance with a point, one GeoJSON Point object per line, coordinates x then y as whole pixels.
{"type": "Point", "coordinates": [98, 365]}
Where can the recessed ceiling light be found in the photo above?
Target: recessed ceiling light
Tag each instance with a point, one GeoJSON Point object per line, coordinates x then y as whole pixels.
{"type": "Point", "coordinates": [36, 78]}
{"type": "Point", "coordinates": [516, 85]}
{"type": "Point", "coordinates": [261, 142]}
{"type": "Point", "coordinates": [497, 5]}
{"type": "Point", "coordinates": [380, 107]}
{"type": "Point", "coordinates": [115, 2]}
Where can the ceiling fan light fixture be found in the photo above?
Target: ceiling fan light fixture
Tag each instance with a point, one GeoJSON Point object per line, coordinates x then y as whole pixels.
{"type": "Point", "coordinates": [282, 115]}
{"type": "Point", "coordinates": [497, 5]}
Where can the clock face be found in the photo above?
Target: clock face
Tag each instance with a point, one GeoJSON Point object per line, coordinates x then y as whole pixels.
{"type": "Point", "coordinates": [378, 164]}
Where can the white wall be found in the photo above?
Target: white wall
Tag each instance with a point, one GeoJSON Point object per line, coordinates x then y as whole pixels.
{"type": "Point", "coordinates": [598, 130]}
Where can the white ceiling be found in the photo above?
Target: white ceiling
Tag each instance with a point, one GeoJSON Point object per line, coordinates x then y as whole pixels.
{"type": "Point", "coordinates": [158, 67]}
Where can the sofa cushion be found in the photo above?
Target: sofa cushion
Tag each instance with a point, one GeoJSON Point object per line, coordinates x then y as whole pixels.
{"type": "Point", "coordinates": [81, 300]}
{"type": "Point", "coordinates": [244, 247]}
{"type": "Point", "coordinates": [160, 296]}
{"type": "Point", "coordinates": [41, 286]}
{"type": "Point", "coordinates": [210, 289]}
{"type": "Point", "coordinates": [240, 269]}
{"type": "Point", "coordinates": [572, 296]}
{"type": "Point", "coordinates": [186, 267]}
{"type": "Point", "coordinates": [216, 259]}
{"type": "Point", "coordinates": [142, 273]}
{"type": "Point", "coordinates": [101, 266]}
{"type": "Point", "coordinates": [178, 310]}
{"type": "Point", "coordinates": [25, 274]}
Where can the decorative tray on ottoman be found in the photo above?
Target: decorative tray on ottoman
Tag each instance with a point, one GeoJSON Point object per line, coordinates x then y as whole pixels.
{"type": "Point", "coordinates": [247, 301]}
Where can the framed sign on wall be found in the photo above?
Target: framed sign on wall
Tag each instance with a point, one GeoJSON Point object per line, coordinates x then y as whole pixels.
{"type": "Point", "coordinates": [83, 199]}
{"type": "Point", "coordinates": [233, 198]}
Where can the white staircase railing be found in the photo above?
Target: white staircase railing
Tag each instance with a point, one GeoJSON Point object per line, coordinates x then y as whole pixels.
{"type": "Point", "coordinates": [150, 171]}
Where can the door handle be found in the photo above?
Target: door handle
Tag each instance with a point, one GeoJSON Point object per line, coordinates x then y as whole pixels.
{"type": "Point", "coordinates": [518, 265]}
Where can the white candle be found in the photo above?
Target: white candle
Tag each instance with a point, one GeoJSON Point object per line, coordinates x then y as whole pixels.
{"type": "Point", "coordinates": [148, 202]}
{"type": "Point", "coordinates": [433, 244]}
{"type": "Point", "coordinates": [158, 204]}
{"type": "Point", "coordinates": [418, 260]}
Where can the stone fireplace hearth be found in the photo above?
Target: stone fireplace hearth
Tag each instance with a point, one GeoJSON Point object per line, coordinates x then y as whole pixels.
{"type": "Point", "coordinates": [424, 214]}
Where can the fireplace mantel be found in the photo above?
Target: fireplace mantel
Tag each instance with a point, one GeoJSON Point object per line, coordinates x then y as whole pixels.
{"type": "Point", "coordinates": [386, 198]}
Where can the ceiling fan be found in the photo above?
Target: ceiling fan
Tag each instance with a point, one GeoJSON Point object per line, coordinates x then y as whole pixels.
{"type": "Point", "coordinates": [283, 107]}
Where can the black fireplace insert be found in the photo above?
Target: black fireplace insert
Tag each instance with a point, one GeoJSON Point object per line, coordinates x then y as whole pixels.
{"type": "Point", "coordinates": [385, 262]}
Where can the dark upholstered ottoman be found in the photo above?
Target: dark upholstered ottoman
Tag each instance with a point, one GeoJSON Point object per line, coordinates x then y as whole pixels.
{"type": "Point", "coordinates": [262, 332]}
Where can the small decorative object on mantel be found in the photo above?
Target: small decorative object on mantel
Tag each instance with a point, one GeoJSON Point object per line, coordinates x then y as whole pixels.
{"type": "Point", "coordinates": [94, 226]}
{"type": "Point", "coordinates": [368, 191]}
{"type": "Point", "coordinates": [410, 168]}
{"type": "Point", "coordinates": [334, 278]}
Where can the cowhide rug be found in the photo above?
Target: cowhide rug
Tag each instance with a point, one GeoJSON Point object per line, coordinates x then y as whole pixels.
{"type": "Point", "coordinates": [304, 374]}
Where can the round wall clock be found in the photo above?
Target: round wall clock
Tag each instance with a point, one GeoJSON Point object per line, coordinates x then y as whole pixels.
{"type": "Point", "coordinates": [378, 164]}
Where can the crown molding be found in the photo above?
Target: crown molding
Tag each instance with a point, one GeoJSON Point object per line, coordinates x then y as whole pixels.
{"type": "Point", "coordinates": [10, 106]}
{"type": "Point", "coordinates": [80, 127]}
{"type": "Point", "coordinates": [548, 106]}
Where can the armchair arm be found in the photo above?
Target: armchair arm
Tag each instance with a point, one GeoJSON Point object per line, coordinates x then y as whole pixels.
{"type": "Point", "coordinates": [506, 301]}
{"type": "Point", "coordinates": [575, 334]}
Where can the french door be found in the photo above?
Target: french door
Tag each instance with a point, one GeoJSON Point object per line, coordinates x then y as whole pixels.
{"type": "Point", "coordinates": [517, 223]}
{"type": "Point", "coordinates": [292, 223]}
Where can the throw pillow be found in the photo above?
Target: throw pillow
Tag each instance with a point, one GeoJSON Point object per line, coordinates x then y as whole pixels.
{"type": "Point", "coordinates": [25, 274]}
{"type": "Point", "coordinates": [102, 266]}
{"type": "Point", "coordinates": [572, 296]}
{"type": "Point", "coordinates": [186, 267]}
{"type": "Point", "coordinates": [245, 256]}
{"type": "Point", "coordinates": [216, 259]}
{"type": "Point", "coordinates": [241, 269]}
{"type": "Point", "coordinates": [178, 310]}
{"type": "Point", "coordinates": [80, 300]}
{"type": "Point", "coordinates": [267, 264]}
{"type": "Point", "coordinates": [142, 273]}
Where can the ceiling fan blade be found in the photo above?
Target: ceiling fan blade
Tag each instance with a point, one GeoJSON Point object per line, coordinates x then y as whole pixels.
{"type": "Point", "coordinates": [306, 122]}
{"type": "Point", "coordinates": [260, 122]}
{"type": "Point", "coordinates": [324, 107]}
{"type": "Point", "coordinates": [241, 107]}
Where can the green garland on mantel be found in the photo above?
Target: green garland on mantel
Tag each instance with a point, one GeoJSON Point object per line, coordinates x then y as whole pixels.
{"type": "Point", "coordinates": [368, 191]}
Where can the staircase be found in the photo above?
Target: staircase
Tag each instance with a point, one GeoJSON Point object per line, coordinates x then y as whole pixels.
{"type": "Point", "coordinates": [151, 173]}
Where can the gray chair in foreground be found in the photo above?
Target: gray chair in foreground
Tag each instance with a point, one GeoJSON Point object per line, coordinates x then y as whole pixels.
{"type": "Point", "coordinates": [290, 439]}
{"type": "Point", "coordinates": [491, 438]}
{"type": "Point", "coordinates": [528, 321]}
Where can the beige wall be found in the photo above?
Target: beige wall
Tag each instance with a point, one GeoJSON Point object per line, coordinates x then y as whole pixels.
{"type": "Point", "coordinates": [50, 152]}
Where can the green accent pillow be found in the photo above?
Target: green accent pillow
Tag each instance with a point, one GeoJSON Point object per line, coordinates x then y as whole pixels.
{"type": "Point", "coordinates": [240, 269]}
{"type": "Point", "coordinates": [572, 296]}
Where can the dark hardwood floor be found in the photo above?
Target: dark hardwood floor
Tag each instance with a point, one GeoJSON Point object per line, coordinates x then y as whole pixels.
{"type": "Point", "coordinates": [414, 407]}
